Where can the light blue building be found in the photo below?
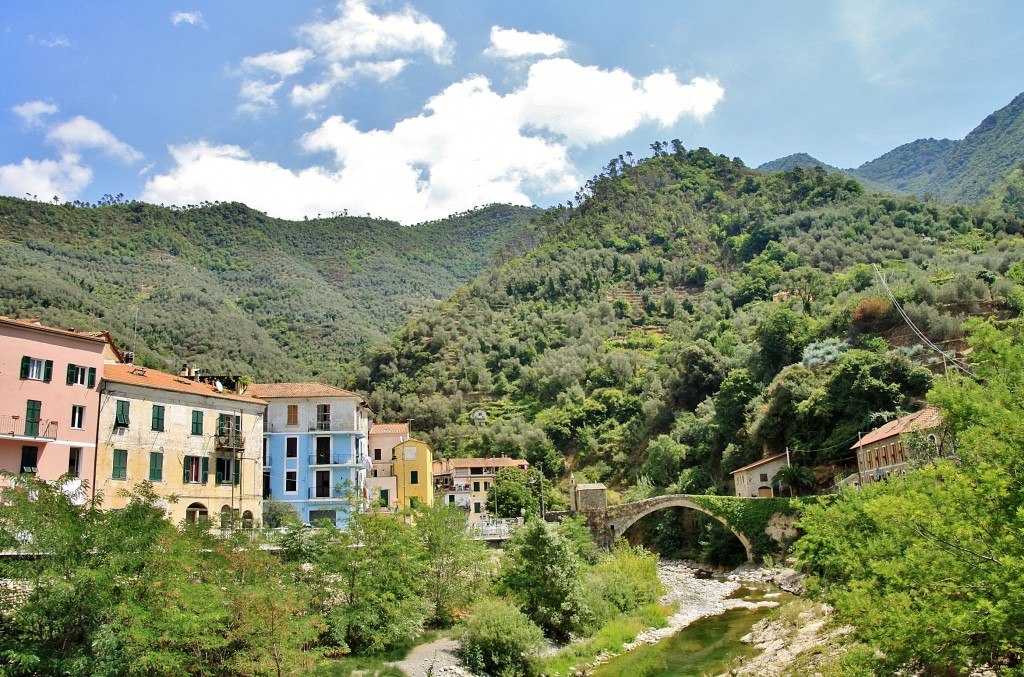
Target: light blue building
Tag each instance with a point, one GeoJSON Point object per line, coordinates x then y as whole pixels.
{"type": "Point", "coordinates": [314, 448]}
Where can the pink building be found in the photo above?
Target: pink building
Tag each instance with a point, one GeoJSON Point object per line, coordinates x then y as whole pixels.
{"type": "Point", "coordinates": [49, 399]}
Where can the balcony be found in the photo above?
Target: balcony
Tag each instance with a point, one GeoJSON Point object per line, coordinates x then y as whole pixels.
{"type": "Point", "coordinates": [230, 441]}
{"type": "Point", "coordinates": [37, 428]}
{"type": "Point", "coordinates": [330, 459]}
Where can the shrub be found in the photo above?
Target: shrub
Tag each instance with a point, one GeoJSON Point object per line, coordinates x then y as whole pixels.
{"type": "Point", "coordinates": [501, 640]}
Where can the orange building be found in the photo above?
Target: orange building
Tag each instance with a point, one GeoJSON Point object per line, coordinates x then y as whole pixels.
{"type": "Point", "coordinates": [881, 452]}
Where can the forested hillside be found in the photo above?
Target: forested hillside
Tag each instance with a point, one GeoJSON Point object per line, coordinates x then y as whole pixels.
{"type": "Point", "coordinates": [235, 291]}
{"type": "Point", "coordinates": [687, 315]}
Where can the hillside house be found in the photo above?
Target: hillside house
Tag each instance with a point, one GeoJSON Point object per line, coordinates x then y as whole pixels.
{"type": "Point", "coordinates": [382, 485]}
{"type": "Point", "coordinates": [315, 454]}
{"type": "Point", "coordinates": [195, 440]}
{"type": "Point", "coordinates": [465, 482]}
{"type": "Point", "coordinates": [755, 480]}
{"type": "Point", "coordinates": [882, 452]}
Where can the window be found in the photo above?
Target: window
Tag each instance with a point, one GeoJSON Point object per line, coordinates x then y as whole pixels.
{"type": "Point", "coordinates": [476, 507]}
{"type": "Point", "coordinates": [414, 502]}
{"type": "Point", "coordinates": [291, 447]}
{"type": "Point", "coordinates": [317, 515]}
{"type": "Point", "coordinates": [293, 414]}
{"type": "Point", "coordinates": [323, 450]}
{"type": "Point", "coordinates": [120, 467]}
{"type": "Point", "coordinates": [291, 481]}
{"type": "Point", "coordinates": [81, 376]}
{"type": "Point", "coordinates": [414, 477]}
{"type": "Point", "coordinates": [33, 410]}
{"type": "Point", "coordinates": [77, 417]}
{"type": "Point", "coordinates": [29, 456]}
{"type": "Point", "coordinates": [196, 512]}
{"type": "Point", "coordinates": [385, 498]}
{"type": "Point", "coordinates": [476, 471]}
{"type": "Point", "coordinates": [323, 417]}
{"type": "Point", "coordinates": [227, 471]}
{"type": "Point", "coordinates": [764, 477]}
{"type": "Point", "coordinates": [487, 485]}
{"type": "Point", "coordinates": [35, 369]}
{"type": "Point", "coordinates": [197, 422]}
{"type": "Point", "coordinates": [266, 457]}
{"type": "Point", "coordinates": [75, 461]}
{"type": "Point", "coordinates": [476, 486]}
{"type": "Point", "coordinates": [196, 470]}
{"type": "Point", "coordinates": [158, 417]}
{"type": "Point", "coordinates": [156, 466]}
{"type": "Point", "coordinates": [409, 453]}
{"type": "Point", "coordinates": [323, 483]}
{"type": "Point", "coordinates": [121, 418]}
{"type": "Point", "coordinates": [451, 499]}
{"type": "Point", "coordinates": [376, 454]}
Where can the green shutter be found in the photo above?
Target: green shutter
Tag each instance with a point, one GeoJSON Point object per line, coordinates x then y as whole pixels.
{"type": "Point", "coordinates": [120, 468]}
{"type": "Point", "coordinates": [48, 371]}
{"type": "Point", "coordinates": [92, 377]}
{"type": "Point", "coordinates": [158, 417]}
{"type": "Point", "coordinates": [414, 477]}
{"type": "Point", "coordinates": [33, 409]}
{"type": "Point", "coordinates": [238, 471]}
{"type": "Point", "coordinates": [197, 422]}
{"type": "Point", "coordinates": [26, 362]}
{"type": "Point", "coordinates": [156, 466]}
{"type": "Point", "coordinates": [121, 417]}
{"type": "Point", "coordinates": [205, 469]}
{"type": "Point", "coordinates": [187, 470]}
{"type": "Point", "coordinates": [71, 374]}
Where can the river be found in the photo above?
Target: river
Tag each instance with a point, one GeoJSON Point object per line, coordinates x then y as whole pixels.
{"type": "Point", "coordinates": [703, 637]}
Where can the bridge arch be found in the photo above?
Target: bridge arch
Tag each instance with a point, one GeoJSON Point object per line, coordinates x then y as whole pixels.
{"type": "Point", "coordinates": [618, 518]}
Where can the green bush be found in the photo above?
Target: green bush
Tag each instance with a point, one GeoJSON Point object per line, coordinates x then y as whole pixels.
{"type": "Point", "coordinates": [501, 640]}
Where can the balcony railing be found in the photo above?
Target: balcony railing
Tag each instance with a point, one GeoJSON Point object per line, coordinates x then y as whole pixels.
{"type": "Point", "coordinates": [330, 459]}
{"type": "Point", "coordinates": [233, 441]}
{"type": "Point", "coordinates": [21, 427]}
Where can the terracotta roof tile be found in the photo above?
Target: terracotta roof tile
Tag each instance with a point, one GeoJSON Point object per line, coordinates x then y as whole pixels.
{"type": "Point", "coordinates": [757, 463]}
{"type": "Point", "coordinates": [926, 418]}
{"type": "Point", "coordinates": [132, 374]}
{"type": "Point", "coordinates": [310, 389]}
{"type": "Point", "coordinates": [389, 429]}
{"type": "Point", "coordinates": [486, 462]}
{"type": "Point", "coordinates": [33, 323]}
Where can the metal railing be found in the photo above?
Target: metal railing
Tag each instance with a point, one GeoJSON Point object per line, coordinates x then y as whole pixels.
{"type": "Point", "coordinates": [22, 427]}
{"type": "Point", "coordinates": [332, 459]}
{"type": "Point", "coordinates": [230, 441]}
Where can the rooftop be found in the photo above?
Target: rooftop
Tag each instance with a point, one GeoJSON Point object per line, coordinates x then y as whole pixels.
{"type": "Point", "coordinates": [928, 417]}
{"type": "Point", "coordinates": [133, 374]}
{"type": "Point", "coordinates": [33, 323]}
{"type": "Point", "coordinates": [761, 462]}
{"type": "Point", "coordinates": [268, 391]}
{"type": "Point", "coordinates": [389, 429]}
{"type": "Point", "coordinates": [501, 462]}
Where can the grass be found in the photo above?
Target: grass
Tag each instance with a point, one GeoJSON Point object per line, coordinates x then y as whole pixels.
{"type": "Point", "coordinates": [609, 639]}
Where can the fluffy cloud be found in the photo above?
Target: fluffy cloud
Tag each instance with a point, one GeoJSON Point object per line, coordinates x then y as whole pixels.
{"type": "Point", "coordinates": [358, 33]}
{"type": "Point", "coordinates": [511, 44]}
{"type": "Point", "coordinates": [358, 43]}
{"type": "Point", "coordinates": [64, 178]}
{"type": "Point", "coordinates": [33, 112]}
{"type": "Point", "coordinates": [190, 18]}
{"type": "Point", "coordinates": [470, 145]}
{"type": "Point", "coordinates": [80, 133]}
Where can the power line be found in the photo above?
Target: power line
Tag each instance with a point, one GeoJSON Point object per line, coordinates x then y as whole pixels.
{"type": "Point", "coordinates": [956, 362]}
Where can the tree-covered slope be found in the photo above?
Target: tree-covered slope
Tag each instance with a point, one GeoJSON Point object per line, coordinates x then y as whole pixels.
{"type": "Point", "coordinates": [956, 171]}
{"type": "Point", "coordinates": [687, 315]}
{"type": "Point", "coordinates": [233, 290]}
{"type": "Point", "coordinates": [803, 160]}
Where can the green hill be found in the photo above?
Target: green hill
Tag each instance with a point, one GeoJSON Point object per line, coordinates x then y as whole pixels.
{"type": "Point", "coordinates": [233, 290]}
{"type": "Point", "coordinates": [785, 164]}
{"type": "Point", "coordinates": [690, 315]}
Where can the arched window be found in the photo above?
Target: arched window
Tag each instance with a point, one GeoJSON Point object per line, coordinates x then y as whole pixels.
{"type": "Point", "coordinates": [247, 519]}
{"type": "Point", "coordinates": [228, 515]}
{"type": "Point", "coordinates": [196, 512]}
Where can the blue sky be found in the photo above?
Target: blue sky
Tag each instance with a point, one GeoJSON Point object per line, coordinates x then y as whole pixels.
{"type": "Point", "coordinates": [417, 110]}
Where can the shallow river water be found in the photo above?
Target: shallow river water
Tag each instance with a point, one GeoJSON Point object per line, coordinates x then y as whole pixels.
{"type": "Point", "coordinates": [709, 646]}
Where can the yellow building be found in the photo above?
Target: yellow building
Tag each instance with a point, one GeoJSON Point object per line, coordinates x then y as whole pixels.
{"type": "Point", "coordinates": [200, 442]}
{"type": "Point", "coordinates": [413, 468]}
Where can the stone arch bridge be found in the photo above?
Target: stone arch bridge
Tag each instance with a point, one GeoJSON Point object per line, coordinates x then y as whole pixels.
{"type": "Point", "coordinates": [749, 519]}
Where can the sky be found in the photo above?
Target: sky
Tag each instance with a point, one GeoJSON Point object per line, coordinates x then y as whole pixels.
{"type": "Point", "coordinates": [417, 110]}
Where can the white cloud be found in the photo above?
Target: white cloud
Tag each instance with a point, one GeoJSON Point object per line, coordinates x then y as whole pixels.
{"type": "Point", "coordinates": [358, 43]}
{"type": "Point", "coordinates": [358, 33]}
{"type": "Point", "coordinates": [281, 63]}
{"type": "Point", "coordinates": [33, 112]}
{"type": "Point", "coordinates": [56, 41]}
{"type": "Point", "coordinates": [878, 33]}
{"type": "Point", "coordinates": [64, 178]}
{"type": "Point", "coordinates": [258, 95]}
{"type": "Point", "coordinates": [510, 43]}
{"type": "Point", "coordinates": [470, 145]}
{"type": "Point", "coordinates": [191, 18]}
{"type": "Point", "coordinates": [82, 133]}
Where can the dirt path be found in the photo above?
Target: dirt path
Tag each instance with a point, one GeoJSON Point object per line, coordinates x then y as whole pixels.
{"type": "Point", "coordinates": [440, 654]}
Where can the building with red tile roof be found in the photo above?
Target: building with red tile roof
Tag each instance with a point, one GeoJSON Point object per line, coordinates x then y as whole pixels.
{"type": "Point", "coordinates": [755, 479]}
{"type": "Point", "coordinates": [881, 452]}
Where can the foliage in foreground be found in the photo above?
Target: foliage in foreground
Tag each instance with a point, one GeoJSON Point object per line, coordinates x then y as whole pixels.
{"type": "Point", "coordinates": [930, 566]}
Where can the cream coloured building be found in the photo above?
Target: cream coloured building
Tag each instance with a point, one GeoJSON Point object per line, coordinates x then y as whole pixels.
{"type": "Point", "coordinates": [196, 441]}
